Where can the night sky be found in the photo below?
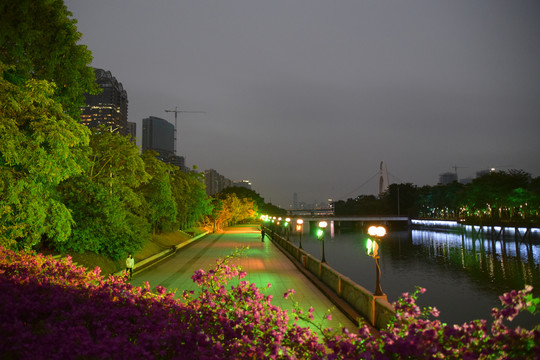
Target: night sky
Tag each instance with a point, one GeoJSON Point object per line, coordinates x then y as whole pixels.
{"type": "Point", "coordinates": [309, 96]}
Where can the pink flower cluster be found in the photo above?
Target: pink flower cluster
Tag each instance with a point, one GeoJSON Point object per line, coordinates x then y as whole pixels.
{"type": "Point", "coordinates": [55, 310]}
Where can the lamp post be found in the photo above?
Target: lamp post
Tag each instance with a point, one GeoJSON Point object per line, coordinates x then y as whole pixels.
{"type": "Point", "coordinates": [299, 223]}
{"type": "Point", "coordinates": [320, 235]}
{"type": "Point", "coordinates": [287, 226]}
{"type": "Point", "coordinates": [372, 247]}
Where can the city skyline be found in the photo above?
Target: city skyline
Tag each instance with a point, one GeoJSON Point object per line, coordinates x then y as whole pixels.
{"type": "Point", "coordinates": [311, 96]}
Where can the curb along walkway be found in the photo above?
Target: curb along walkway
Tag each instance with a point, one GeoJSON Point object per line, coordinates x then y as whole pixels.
{"type": "Point", "coordinates": [263, 262]}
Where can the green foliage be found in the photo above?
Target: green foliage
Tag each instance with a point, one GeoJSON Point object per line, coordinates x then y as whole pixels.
{"type": "Point", "coordinates": [363, 205]}
{"type": "Point", "coordinates": [107, 210]}
{"type": "Point", "coordinates": [401, 198]}
{"type": "Point", "coordinates": [260, 206]}
{"type": "Point", "coordinates": [116, 161]}
{"type": "Point", "coordinates": [39, 38]}
{"type": "Point", "coordinates": [190, 197]}
{"type": "Point", "coordinates": [228, 209]}
{"type": "Point", "coordinates": [199, 204]}
{"type": "Point", "coordinates": [40, 146]}
{"type": "Point", "coordinates": [245, 193]}
{"type": "Point", "coordinates": [533, 304]}
{"type": "Point", "coordinates": [66, 312]}
{"type": "Point", "coordinates": [158, 192]}
{"type": "Point", "coordinates": [271, 209]}
{"type": "Point", "coordinates": [104, 223]}
{"type": "Point", "coordinates": [55, 186]}
{"type": "Point", "coordinates": [497, 196]}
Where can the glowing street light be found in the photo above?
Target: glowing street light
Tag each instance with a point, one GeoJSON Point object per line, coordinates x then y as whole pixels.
{"type": "Point", "coordinates": [372, 249]}
{"type": "Point", "coordinates": [299, 223]}
{"type": "Point", "coordinates": [378, 231]}
{"type": "Point", "coordinates": [320, 235]}
{"type": "Point", "coordinates": [287, 227]}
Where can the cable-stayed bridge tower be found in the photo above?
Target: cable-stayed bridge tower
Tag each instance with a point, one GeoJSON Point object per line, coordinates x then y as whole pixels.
{"type": "Point", "coordinates": [383, 178]}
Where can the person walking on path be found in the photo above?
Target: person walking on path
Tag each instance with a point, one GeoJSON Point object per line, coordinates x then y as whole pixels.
{"type": "Point", "coordinates": [130, 263]}
{"type": "Point", "coordinates": [262, 234]}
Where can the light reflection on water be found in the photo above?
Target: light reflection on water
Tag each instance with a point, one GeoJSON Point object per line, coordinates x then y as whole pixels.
{"type": "Point", "coordinates": [463, 278]}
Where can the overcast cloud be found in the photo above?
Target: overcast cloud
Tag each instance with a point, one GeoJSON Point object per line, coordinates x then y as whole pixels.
{"type": "Point", "coordinates": [309, 96]}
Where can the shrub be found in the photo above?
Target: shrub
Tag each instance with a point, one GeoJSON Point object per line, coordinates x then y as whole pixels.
{"type": "Point", "coordinates": [55, 310]}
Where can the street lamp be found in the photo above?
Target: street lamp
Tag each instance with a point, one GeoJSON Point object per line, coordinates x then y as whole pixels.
{"type": "Point", "coordinates": [287, 226]}
{"type": "Point", "coordinates": [320, 235]}
{"type": "Point", "coordinates": [372, 249]}
{"type": "Point", "coordinates": [299, 223]}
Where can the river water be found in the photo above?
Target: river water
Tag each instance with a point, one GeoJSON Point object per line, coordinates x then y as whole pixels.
{"type": "Point", "coordinates": [463, 278]}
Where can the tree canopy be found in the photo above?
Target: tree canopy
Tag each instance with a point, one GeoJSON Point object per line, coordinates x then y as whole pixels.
{"type": "Point", "coordinates": [39, 38]}
{"type": "Point", "coordinates": [158, 192]}
{"type": "Point", "coordinates": [499, 196]}
{"type": "Point", "coordinates": [228, 208]}
{"type": "Point", "coordinates": [109, 213]}
{"type": "Point", "coordinates": [40, 146]}
{"type": "Point", "coordinates": [62, 186]}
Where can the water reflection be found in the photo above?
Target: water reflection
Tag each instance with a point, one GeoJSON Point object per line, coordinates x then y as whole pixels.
{"type": "Point", "coordinates": [508, 263]}
{"type": "Point", "coordinates": [463, 276]}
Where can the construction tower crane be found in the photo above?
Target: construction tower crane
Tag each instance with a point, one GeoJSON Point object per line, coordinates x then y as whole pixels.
{"type": "Point", "coordinates": [176, 111]}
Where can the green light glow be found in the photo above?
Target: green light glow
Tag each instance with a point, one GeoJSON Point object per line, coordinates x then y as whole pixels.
{"type": "Point", "coordinates": [372, 248]}
{"type": "Point", "coordinates": [369, 246]}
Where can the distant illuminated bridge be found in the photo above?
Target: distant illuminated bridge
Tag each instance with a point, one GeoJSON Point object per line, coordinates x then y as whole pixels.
{"type": "Point", "coordinates": [328, 214]}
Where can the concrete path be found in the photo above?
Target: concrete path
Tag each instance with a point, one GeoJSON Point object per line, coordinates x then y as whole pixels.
{"type": "Point", "coordinates": [263, 262]}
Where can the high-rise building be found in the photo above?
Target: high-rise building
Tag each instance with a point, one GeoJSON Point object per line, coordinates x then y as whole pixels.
{"type": "Point", "coordinates": [110, 107]}
{"type": "Point", "coordinates": [215, 182]}
{"type": "Point", "coordinates": [158, 135]}
{"type": "Point", "coordinates": [132, 131]}
{"type": "Point", "coordinates": [242, 183]}
{"type": "Point", "coordinates": [447, 178]}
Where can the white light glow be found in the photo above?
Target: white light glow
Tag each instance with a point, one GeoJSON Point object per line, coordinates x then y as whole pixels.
{"type": "Point", "coordinates": [378, 231]}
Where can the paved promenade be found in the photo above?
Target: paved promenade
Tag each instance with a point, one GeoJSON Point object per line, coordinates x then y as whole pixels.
{"type": "Point", "coordinates": [263, 262]}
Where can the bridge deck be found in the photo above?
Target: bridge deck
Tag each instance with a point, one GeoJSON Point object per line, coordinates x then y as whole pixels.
{"type": "Point", "coordinates": [352, 218]}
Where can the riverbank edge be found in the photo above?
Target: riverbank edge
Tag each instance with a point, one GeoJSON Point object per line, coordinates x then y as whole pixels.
{"type": "Point", "coordinates": [529, 233]}
{"type": "Point", "coordinates": [356, 302]}
{"type": "Point", "coordinates": [342, 305]}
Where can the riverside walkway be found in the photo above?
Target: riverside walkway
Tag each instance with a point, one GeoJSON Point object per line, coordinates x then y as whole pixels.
{"type": "Point", "coordinates": [263, 262]}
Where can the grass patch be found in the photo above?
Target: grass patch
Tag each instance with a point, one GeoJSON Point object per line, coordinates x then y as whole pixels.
{"type": "Point", "coordinates": [157, 244]}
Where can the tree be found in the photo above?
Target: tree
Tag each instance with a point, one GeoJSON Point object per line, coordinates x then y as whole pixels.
{"type": "Point", "coordinates": [108, 212]}
{"type": "Point", "coordinates": [271, 209]}
{"type": "Point", "coordinates": [228, 208]}
{"type": "Point", "coordinates": [157, 191]}
{"type": "Point", "coordinates": [400, 198]}
{"type": "Point", "coordinates": [40, 146]}
{"type": "Point", "coordinates": [492, 193]}
{"type": "Point", "coordinates": [190, 197]}
{"type": "Point", "coordinates": [245, 193]}
{"type": "Point", "coordinates": [199, 204]}
{"type": "Point", "coordinates": [39, 38]}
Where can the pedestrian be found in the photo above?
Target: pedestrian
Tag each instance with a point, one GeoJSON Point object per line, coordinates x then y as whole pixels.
{"type": "Point", "coordinates": [262, 234]}
{"type": "Point", "coordinates": [130, 263]}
